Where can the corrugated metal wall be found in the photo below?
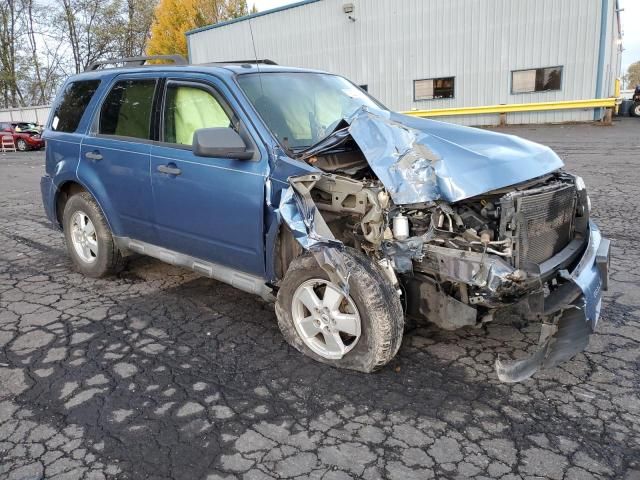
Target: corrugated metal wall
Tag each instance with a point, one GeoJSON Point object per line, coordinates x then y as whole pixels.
{"type": "Point", "coordinates": [394, 42]}
{"type": "Point", "coordinates": [26, 114]}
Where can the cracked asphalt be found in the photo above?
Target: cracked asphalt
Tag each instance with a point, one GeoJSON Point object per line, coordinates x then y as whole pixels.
{"type": "Point", "coordinates": [159, 373]}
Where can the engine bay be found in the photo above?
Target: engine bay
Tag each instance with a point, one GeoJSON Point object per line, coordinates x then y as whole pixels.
{"type": "Point", "coordinates": [466, 257]}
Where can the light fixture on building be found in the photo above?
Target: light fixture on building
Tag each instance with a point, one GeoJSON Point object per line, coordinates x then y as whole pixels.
{"type": "Point", "coordinates": [348, 9]}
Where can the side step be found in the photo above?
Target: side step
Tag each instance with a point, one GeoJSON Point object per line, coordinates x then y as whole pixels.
{"type": "Point", "coordinates": [236, 278]}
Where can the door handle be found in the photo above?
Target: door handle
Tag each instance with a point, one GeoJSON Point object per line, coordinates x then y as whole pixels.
{"type": "Point", "coordinates": [95, 155]}
{"type": "Point", "coordinates": [169, 170]}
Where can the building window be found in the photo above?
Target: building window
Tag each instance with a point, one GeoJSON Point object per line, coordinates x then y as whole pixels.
{"type": "Point", "coordinates": [432, 88]}
{"type": "Point", "coordinates": [536, 80]}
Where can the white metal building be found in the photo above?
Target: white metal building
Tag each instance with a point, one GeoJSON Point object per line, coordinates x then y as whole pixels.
{"type": "Point", "coordinates": [429, 54]}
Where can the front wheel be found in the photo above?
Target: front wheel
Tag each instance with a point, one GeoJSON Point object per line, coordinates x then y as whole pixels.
{"type": "Point", "coordinates": [89, 240]}
{"type": "Point", "coordinates": [361, 330]}
{"type": "Point", "coordinates": [634, 111]}
{"type": "Point", "coordinates": [21, 145]}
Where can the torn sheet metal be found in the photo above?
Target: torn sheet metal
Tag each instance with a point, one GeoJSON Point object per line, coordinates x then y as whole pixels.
{"type": "Point", "coordinates": [403, 252]}
{"type": "Point", "coordinates": [310, 230]}
{"type": "Point", "coordinates": [421, 160]}
{"type": "Point", "coordinates": [472, 268]}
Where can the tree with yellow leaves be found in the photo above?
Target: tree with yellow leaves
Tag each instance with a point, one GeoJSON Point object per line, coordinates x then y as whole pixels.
{"type": "Point", "coordinates": [173, 18]}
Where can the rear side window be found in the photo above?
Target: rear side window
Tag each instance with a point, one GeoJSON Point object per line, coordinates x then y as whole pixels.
{"type": "Point", "coordinates": [189, 109]}
{"type": "Point", "coordinates": [126, 112]}
{"type": "Point", "coordinates": [74, 101]}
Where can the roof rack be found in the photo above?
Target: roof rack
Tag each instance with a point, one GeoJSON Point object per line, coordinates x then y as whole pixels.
{"type": "Point", "coordinates": [137, 61]}
{"type": "Point", "coordinates": [264, 61]}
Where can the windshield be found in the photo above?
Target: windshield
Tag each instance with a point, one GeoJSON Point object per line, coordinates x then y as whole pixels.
{"type": "Point", "coordinates": [303, 108]}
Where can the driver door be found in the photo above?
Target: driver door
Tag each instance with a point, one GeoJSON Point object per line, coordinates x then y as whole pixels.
{"type": "Point", "coordinates": [208, 208]}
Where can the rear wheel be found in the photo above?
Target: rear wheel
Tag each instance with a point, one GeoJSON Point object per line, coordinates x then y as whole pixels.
{"type": "Point", "coordinates": [21, 145]}
{"type": "Point", "coordinates": [89, 240]}
{"type": "Point", "coordinates": [361, 330]}
{"type": "Point", "coordinates": [634, 110]}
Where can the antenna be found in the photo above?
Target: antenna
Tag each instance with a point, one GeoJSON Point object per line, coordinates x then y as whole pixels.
{"type": "Point", "coordinates": [255, 54]}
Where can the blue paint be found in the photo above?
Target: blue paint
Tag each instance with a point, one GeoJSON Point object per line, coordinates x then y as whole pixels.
{"type": "Point", "coordinates": [253, 15]}
{"type": "Point", "coordinates": [604, 13]}
{"type": "Point", "coordinates": [443, 161]}
{"type": "Point", "coordinates": [220, 209]}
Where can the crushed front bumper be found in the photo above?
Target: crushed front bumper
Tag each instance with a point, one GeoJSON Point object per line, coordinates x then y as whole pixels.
{"type": "Point", "coordinates": [571, 312]}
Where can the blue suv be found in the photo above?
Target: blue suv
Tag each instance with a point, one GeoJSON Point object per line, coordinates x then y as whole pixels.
{"type": "Point", "coordinates": [298, 186]}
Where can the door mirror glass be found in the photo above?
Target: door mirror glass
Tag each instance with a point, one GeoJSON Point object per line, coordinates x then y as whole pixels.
{"type": "Point", "coordinates": [223, 142]}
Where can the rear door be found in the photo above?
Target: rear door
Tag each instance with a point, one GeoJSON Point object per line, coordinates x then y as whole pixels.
{"type": "Point", "coordinates": [209, 208]}
{"type": "Point", "coordinates": [114, 157]}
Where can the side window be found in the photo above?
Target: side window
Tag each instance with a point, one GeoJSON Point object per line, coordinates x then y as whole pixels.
{"type": "Point", "coordinates": [74, 101]}
{"type": "Point", "coordinates": [126, 111]}
{"type": "Point", "coordinates": [189, 108]}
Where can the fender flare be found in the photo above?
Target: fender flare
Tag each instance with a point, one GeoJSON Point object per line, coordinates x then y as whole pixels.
{"type": "Point", "coordinates": [114, 226]}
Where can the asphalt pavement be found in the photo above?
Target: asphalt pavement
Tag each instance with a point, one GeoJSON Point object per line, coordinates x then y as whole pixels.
{"type": "Point", "coordinates": [160, 373]}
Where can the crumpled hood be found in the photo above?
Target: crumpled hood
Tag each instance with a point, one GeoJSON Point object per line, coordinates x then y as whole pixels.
{"type": "Point", "coordinates": [420, 160]}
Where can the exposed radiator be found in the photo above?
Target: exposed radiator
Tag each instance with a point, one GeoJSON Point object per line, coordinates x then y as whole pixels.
{"type": "Point", "coordinates": [545, 223]}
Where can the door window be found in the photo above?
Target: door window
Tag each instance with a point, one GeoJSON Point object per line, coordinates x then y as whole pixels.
{"type": "Point", "coordinates": [126, 111]}
{"type": "Point", "coordinates": [189, 108]}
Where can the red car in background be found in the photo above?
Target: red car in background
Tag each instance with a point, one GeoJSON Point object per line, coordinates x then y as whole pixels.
{"type": "Point", "coordinates": [26, 135]}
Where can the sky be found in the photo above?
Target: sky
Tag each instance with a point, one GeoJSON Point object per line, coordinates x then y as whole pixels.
{"type": "Point", "coordinates": [631, 39]}
{"type": "Point", "coordinates": [630, 26]}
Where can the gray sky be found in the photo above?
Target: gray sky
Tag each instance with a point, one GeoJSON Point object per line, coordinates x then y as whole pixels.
{"type": "Point", "coordinates": [631, 39]}
{"type": "Point", "coordinates": [630, 26]}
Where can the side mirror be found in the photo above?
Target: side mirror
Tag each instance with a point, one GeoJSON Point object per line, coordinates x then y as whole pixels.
{"type": "Point", "coordinates": [220, 142]}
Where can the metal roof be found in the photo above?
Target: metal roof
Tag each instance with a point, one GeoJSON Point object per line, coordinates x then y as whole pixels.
{"type": "Point", "coordinates": [253, 15]}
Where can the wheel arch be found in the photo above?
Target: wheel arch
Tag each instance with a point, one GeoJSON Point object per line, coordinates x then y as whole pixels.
{"type": "Point", "coordinates": [65, 191]}
{"type": "Point", "coordinates": [285, 250]}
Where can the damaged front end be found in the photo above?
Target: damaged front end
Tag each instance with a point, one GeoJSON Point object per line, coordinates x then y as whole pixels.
{"type": "Point", "coordinates": [470, 226]}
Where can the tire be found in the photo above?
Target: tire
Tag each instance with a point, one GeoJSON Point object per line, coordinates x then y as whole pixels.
{"type": "Point", "coordinates": [107, 259]}
{"type": "Point", "coordinates": [634, 110]}
{"type": "Point", "coordinates": [21, 145]}
{"type": "Point", "coordinates": [380, 312]}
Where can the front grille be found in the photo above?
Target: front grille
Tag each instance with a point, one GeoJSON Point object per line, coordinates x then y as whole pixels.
{"type": "Point", "coordinates": [545, 224]}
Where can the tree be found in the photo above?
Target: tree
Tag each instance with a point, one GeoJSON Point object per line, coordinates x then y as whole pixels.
{"type": "Point", "coordinates": [139, 16]}
{"type": "Point", "coordinates": [173, 18]}
{"type": "Point", "coordinates": [93, 29]}
{"type": "Point", "coordinates": [10, 13]}
{"type": "Point", "coordinates": [44, 41]}
{"type": "Point", "coordinates": [632, 78]}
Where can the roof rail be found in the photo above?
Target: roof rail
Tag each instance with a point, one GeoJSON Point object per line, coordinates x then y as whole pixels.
{"type": "Point", "coordinates": [139, 61]}
{"type": "Point", "coordinates": [264, 61]}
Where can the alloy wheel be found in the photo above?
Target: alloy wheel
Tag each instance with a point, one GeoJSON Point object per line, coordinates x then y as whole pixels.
{"type": "Point", "coordinates": [84, 237]}
{"type": "Point", "coordinates": [326, 319]}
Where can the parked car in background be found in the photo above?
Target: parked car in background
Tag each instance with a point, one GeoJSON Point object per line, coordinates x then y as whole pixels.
{"type": "Point", "coordinates": [634, 107]}
{"type": "Point", "coordinates": [298, 186]}
{"type": "Point", "coordinates": [26, 135]}
{"type": "Point", "coordinates": [29, 127]}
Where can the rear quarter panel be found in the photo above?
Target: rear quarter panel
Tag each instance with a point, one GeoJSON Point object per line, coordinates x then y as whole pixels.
{"type": "Point", "coordinates": [62, 154]}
